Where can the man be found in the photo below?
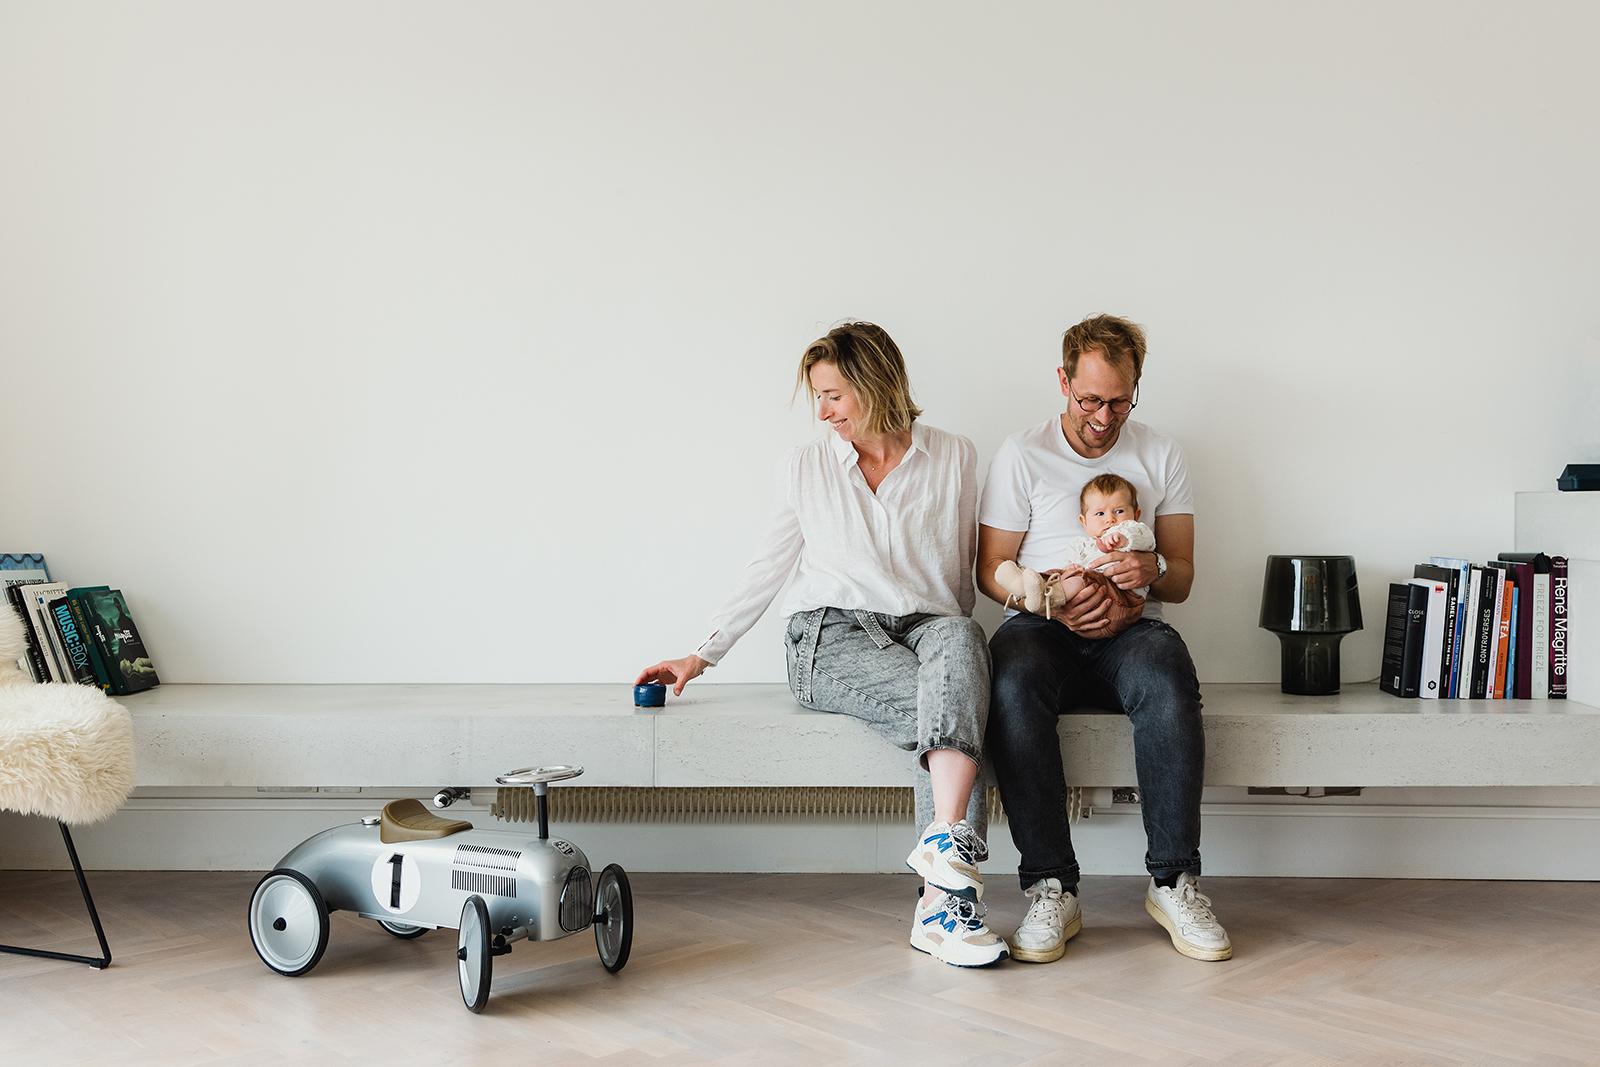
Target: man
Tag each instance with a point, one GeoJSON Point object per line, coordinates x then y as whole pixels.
{"type": "Point", "coordinates": [1098, 648]}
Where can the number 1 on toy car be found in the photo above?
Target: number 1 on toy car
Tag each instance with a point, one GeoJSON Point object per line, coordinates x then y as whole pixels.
{"type": "Point", "coordinates": [396, 884]}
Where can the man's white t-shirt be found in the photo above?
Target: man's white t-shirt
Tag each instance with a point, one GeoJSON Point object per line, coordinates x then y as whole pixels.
{"type": "Point", "coordinates": [1036, 477]}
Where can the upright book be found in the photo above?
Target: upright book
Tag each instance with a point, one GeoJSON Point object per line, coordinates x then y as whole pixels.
{"type": "Point", "coordinates": [1534, 622]}
{"type": "Point", "coordinates": [38, 598]}
{"type": "Point", "coordinates": [1428, 673]}
{"type": "Point", "coordinates": [1469, 643]}
{"type": "Point", "coordinates": [122, 649]}
{"type": "Point", "coordinates": [1500, 624]}
{"type": "Point", "coordinates": [1519, 673]}
{"type": "Point", "coordinates": [33, 655]}
{"type": "Point", "coordinates": [1558, 627]}
{"type": "Point", "coordinates": [1450, 650]}
{"type": "Point", "coordinates": [72, 642]}
{"type": "Point", "coordinates": [1402, 639]}
{"type": "Point", "coordinates": [80, 615]}
{"type": "Point", "coordinates": [1461, 675]}
{"type": "Point", "coordinates": [1487, 597]}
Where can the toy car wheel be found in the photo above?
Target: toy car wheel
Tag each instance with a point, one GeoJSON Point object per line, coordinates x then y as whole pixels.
{"type": "Point", "coordinates": [474, 960]}
{"type": "Point", "coordinates": [288, 922]}
{"type": "Point", "coordinates": [613, 918]}
{"type": "Point", "coordinates": [404, 931]}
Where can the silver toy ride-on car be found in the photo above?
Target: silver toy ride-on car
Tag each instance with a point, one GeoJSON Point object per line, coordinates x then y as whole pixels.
{"type": "Point", "coordinates": [413, 871]}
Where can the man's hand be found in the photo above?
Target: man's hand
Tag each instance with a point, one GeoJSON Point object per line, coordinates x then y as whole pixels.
{"type": "Point", "coordinates": [1100, 609]}
{"type": "Point", "coordinates": [1128, 570]}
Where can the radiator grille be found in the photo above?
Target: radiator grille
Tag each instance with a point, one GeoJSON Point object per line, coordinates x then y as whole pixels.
{"type": "Point", "coordinates": [583, 804]}
{"type": "Point", "coordinates": [493, 885]}
{"type": "Point", "coordinates": [577, 900]}
{"type": "Point", "coordinates": [499, 859]}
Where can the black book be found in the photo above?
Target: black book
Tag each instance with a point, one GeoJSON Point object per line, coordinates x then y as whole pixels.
{"type": "Point", "coordinates": [80, 615]}
{"type": "Point", "coordinates": [1488, 596]}
{"type": "Point", "coordinates": [1558, 628]}
{"type": "Point", "coordinates": [72, 642]}
{"type": "Point", "coordinates": [1451, 578]}
{"type": "Point", "coordinates": [121, 648]}
{"type": "Point", "coordinates": [1402, 639]}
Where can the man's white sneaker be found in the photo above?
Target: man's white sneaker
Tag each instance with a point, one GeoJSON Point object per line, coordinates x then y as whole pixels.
{"type": "Point", "coordinates": [951, 928]}
{"type": "Point", "coordinates": [1053, 919]}
{"type": "Point", "coordinates": [947, 854]}
{"type": "Point", "coordinates": [1186, 913]}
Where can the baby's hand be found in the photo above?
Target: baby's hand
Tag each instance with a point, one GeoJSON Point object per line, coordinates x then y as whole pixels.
{"type": "Point", "coordinates": [1113, 540]}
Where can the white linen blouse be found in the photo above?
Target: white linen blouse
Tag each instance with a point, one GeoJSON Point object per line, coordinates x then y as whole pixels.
{"type": "Point", "coordinates": [906, 549]}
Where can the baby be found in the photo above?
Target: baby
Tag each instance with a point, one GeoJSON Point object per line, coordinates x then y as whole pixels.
{"type": "Point", "coordinates": [1110, 516]}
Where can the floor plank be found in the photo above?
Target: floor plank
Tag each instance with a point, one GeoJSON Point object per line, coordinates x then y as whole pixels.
{"type": "Point", "coordinates": [793, 968]}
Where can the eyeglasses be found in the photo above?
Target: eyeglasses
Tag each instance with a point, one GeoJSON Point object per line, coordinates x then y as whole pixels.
{"type": "Point", "coordinates": [1092, 404]}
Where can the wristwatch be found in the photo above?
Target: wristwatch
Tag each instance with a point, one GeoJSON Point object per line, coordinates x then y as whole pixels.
{"type": "Point", "coordinates": [1161, 566]}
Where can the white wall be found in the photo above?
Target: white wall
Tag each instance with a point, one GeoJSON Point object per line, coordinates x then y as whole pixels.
{"type": "Point", "coordinates": [418, 342]}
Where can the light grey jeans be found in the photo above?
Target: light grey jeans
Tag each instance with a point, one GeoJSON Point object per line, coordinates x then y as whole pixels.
{"type": "Point", "coordinates": [922, 681]}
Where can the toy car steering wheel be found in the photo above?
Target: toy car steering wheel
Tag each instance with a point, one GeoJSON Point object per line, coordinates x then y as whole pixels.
{"type": "Point", "coordinates": [538, 775]}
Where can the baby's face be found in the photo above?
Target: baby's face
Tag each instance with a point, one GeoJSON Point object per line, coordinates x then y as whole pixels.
{"type": "Point", "coordinates": [1101, 511]}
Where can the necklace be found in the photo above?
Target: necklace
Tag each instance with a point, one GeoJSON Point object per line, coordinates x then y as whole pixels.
{"type": "Point", "coordinates": [875, 465]}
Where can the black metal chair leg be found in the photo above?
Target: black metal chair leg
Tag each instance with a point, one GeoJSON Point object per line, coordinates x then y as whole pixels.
{"type": "Point", "coordinates": [104, 960]}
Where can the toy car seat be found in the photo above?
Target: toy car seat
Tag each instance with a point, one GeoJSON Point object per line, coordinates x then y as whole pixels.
{"type": "Point", "coordinates": [408, 820]}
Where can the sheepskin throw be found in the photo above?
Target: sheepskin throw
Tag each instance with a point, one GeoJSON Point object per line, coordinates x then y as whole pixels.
{"type": "Point", "coordinates": [66, 751]}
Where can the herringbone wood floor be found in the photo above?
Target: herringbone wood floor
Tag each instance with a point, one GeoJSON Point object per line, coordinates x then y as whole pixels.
{"type": "Point", "coordinates": [783, 969]}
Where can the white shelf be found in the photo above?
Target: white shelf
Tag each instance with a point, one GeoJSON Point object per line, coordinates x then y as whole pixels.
{"type": "Point", "coordinates": [748, 735]}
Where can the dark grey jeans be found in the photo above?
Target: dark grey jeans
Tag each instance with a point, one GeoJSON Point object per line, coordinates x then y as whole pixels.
{"type": "Point", "coordinates": [1042, 670]}
{"type": "Point", "coordinates": [922, 681]}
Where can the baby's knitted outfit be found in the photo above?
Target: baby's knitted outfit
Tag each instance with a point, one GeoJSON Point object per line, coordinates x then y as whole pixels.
{"type": "Point", "coordinates": [1085, 550]}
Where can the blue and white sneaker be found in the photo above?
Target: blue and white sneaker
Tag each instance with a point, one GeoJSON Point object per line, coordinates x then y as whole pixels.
{"type": "Point", "coordinates": [947, 856]}
{"type": "Point", "coordinates": [951, 928]}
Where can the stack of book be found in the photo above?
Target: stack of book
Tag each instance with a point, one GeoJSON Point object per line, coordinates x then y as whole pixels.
{"type": "Point", "coordinates": [1491, 632]}
{"type": "Point", "coordinates": [82, 634]}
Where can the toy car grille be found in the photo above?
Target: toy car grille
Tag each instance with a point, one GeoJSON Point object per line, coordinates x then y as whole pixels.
{"type": "Point", "coordinates": [577, 900]}
{"type": "Point", "coordinates": [497, 885]}
{"type": "Point", "coordinates": [500, 859]}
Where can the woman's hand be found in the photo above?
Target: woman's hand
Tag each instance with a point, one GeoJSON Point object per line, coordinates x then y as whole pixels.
{"type": "Point", "coordinates": [674, 672]}
{"type": "Point", "coordinates": [1128, 570]}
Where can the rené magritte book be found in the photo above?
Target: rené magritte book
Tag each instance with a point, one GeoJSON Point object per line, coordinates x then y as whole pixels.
{"type": "Point", "coordinates": [80, 634]}
{"type": "Point", "coordinates": [1491, 631]}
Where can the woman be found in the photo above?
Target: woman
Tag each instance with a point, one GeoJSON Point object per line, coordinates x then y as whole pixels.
{"type": "Point", "coordinates": [878, 527]}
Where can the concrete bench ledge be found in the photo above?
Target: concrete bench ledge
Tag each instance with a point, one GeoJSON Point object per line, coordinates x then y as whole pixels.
{"type": "Point", "coordinates": [375, 736]}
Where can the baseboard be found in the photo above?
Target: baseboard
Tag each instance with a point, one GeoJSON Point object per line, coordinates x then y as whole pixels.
{"type": "Point", "coordinates": [1518, 838]}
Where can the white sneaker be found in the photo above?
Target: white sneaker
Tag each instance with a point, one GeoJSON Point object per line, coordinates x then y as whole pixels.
{"type": "Point", "coordinates": [1053, 919]}
{"type": "Point", "coordinates": [951, 928]}
{"type": "Point", "coordinates": [1186, 913]}
{"type": "Point", "coordinates": [946, 855]}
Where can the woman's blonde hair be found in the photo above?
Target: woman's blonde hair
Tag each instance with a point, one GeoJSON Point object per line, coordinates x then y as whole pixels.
{"type": "Point", "coordinates": [866, 357]}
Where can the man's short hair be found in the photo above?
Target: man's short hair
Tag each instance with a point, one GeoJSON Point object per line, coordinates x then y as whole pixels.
{"type": "Point", "coordinates": [1121, 343]}
{"type": "Point", "coordinates": [866, 357]}
{"type": "Point", "coordinates": [1106, 485]}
